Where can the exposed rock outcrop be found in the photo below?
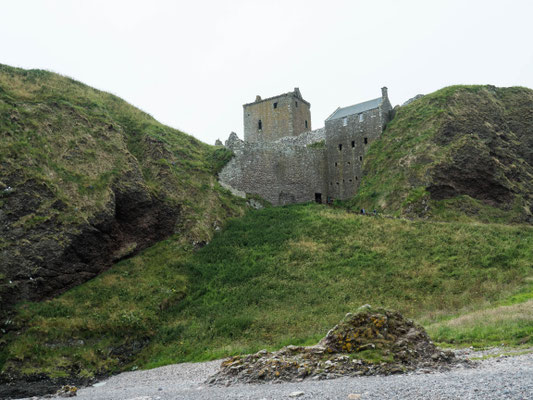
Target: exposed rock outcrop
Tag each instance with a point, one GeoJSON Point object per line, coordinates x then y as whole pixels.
{"type": "Point", "coordinates": [368, 342]}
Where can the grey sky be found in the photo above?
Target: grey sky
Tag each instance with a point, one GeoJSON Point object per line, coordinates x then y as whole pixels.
{"type": "Point", "coordinates": [192, 64]}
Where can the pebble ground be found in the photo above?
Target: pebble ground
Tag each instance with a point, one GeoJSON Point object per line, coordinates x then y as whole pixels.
{"type": "Point", "coordinates": [496, 377]}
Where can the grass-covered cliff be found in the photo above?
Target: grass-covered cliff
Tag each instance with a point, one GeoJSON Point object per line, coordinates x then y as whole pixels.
{"type": "Point", "coordinates": [87, 179]}
{"type": "Point", "coordinates": [461, 153]}
{"type": "Point", "coordinates": [280, 276]}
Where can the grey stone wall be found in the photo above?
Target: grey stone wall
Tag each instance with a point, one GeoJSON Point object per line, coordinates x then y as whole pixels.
{"type": "Point", "coordinates": [284, 167]}
{"type": "Point", "coordinates": [284, 115]}
{"type": "Point", "coordinates": [287, 171]}
{"type": "Point", "coordinates": [346, 142]}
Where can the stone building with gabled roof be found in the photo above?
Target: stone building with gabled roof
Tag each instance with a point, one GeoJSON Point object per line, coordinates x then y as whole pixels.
{"type": "Point", "coordinates": [282, 160]}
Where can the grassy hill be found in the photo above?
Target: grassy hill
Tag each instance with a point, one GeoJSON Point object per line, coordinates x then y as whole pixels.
{"type": "Point", "coordinates": [87, 179]}
{"type": "Point", "coordinates": [85, 174]}
{"type": "Point", "coordinates": [279, 276]}
{"type": "Point", "coordinates": [461, 153]}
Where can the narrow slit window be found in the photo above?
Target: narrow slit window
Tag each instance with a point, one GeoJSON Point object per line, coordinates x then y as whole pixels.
{"type": "Point", "coordinates": [348, 162]}
{"type": "Point", "coordinates": [361, 117]}
{"type": "Point", "coordinates": [335, 164]}
{"type": "Point", "coordinates": [305, 124]}
{"type": "Point", "coordinates": [353, 143]}
{"type": "Point", "coordinates": [340, 146]}
{"type": "Point", "coordinates": [260, 125]}
{"type": "Point", "coordinates": [344, 121]}
{"type": "Point", "coordinates": [276, 105]}
{"type": "Point", "coordinates": [296, 103]}
{"type": "Point", "coordinates": [366, 140]}
{"type": "Point", "coordinates": [360, 158]}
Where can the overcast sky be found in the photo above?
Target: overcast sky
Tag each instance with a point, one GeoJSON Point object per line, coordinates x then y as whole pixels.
{"type": "Point", "coordinates": [192, 64]}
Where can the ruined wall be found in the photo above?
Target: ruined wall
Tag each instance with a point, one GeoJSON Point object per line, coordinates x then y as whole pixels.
{"type": "Point", "coordinates": [347, 140]}
{"type": "Point", "coordinates": [280, 116]}
{"type": "Point", "coordinates": [291, 170]}
{"type": "Point", "coordinates": [283, 165]}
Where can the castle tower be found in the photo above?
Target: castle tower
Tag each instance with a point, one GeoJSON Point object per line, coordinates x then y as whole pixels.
{"type": "Point", "coordinates": [269, 119]}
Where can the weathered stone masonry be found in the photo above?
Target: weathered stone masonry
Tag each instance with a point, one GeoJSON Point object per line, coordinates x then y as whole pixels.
{"type": "Point", "coordinates": [284, 162]}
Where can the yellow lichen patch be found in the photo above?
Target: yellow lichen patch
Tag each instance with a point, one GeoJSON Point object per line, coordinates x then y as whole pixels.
{"type": "Point", "coordinates": [307, 246]}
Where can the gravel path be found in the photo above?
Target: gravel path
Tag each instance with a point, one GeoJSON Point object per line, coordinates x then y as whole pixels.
{"type": "Point", "coordinates": [500, 377]}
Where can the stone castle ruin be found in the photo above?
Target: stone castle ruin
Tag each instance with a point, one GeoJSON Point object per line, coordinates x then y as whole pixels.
{"type": "Point", "coordinates": [284, 161]}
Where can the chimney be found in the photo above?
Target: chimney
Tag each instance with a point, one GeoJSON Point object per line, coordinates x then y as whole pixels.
{"type": "Point", "coordinates": [297, 93]}
{"type": "Point", "coordinates": [384, 94]}
{"type": "Point", "coordinates": [257, 98]}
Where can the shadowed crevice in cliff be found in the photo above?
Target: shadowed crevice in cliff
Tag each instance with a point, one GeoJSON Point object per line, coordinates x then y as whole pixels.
{"type": "Point", "coordinates": [57, 257]}
{"type": "Point", "coordinates": [87, 180]}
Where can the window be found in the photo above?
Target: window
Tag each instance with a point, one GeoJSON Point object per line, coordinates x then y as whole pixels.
{"type": "Point", "coordinates": [356, 178]}
{"type": "Point", "coordinates": [366, 140]}
{"type": "Point", "coordinates": [348, 162]}
{"type": "Point", "coordinates": [350, 180]}
{"type": "Point", "coordinates": [296, 103]}
{"type": "Point", "coordinates": [353, 143]}
{"type": "Point", "coordinates": [360, 158]}
{"type": "Point", "coordinates": [305, 124]}
{"type": "Point", "coordinates": [337, 183]}
{"type": "Point", "coordinates": [340, 147]}
{"type": "Point", "coordinates": [335, 164]}
{"type": "Point", "coordinates": [276, 105]}
{"type": "Point", "coordinates": [345, 121]}
{"type": "Point", "coordinates": [260, 125]}
{"type": "Point", "coordinates": [361, 117]}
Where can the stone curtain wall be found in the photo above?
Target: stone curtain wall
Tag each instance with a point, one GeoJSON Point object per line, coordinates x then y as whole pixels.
{"type": "Point", "coordinates": [287, 171]}
{"type": "Point", "coordinates": [344, 164]}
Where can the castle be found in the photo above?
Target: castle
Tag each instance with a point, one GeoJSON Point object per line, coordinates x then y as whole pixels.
{"type": "Point", "coordinates": [284, 161]}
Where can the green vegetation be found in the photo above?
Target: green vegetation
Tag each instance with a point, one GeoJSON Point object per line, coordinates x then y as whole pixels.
{"type": "Point", "coordinates": [321, 144]}
{"type": "Point", "coordinates": [277, 276]}
{"type": "Point", "coordinates": [458, 154]}
{"type": "Point", "coordinates": [77, 142]}
{"type": "Point", "coordinates": [509, 321]}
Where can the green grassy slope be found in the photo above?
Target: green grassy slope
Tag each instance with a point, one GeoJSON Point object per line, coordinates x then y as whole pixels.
{"type": "Point", "coordinates": [461, 153]}
{"type": "Point", "coordinates": [75, 139]}
{"type": "Point", "coordinates": [73, 162]}
{"type": "Point", "coordinates": [277, 276]}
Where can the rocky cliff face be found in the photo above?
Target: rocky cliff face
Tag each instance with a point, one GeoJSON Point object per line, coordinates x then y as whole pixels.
{"type": "Point", "coordinates": [461, 152]}
{"type": "Point", "coordinates": [86, 179]}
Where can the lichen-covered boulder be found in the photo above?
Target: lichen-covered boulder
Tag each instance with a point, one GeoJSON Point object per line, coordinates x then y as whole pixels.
{"type": "Point", "coordinates": [386, 331]}
{"type": "Point", "coordinates": [368, 342]}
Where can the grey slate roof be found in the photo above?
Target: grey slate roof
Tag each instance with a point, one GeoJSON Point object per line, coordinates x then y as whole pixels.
{"type": "Point", "coordinates": [355, 109]}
